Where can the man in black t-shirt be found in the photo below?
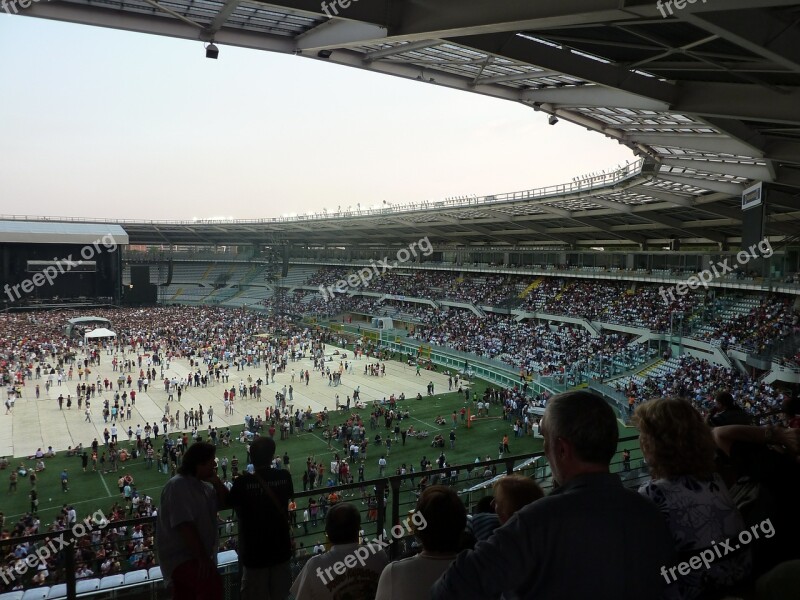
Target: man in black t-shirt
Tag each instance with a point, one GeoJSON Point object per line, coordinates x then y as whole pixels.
{"type": "Point", "coordinates": [261, 502]}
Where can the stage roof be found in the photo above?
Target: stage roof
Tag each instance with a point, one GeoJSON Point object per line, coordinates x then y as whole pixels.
{"type": "Point", "coordinates": [54, 232]}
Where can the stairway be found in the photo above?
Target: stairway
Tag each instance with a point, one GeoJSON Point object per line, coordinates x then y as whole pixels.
{"type": "Point", "coordinates": [527, 291]}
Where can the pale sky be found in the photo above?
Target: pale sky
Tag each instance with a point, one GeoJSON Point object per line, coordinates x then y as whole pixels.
{"type": "Point", "coordinates": [105, 123]}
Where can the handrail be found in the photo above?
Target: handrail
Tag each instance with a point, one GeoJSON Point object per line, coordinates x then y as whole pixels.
{"type": "Point", "coordinates": [394, 484]}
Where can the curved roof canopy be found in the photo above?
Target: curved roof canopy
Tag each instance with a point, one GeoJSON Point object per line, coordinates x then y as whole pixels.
{"type": "Point", "coordinates": [708, 94]}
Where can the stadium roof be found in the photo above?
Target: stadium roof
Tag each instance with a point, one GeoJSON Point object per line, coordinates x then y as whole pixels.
{"type": "Point", "coordinates": [708, 94]}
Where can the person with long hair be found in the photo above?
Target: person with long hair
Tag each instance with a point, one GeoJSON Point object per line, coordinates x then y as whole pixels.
{"type": "Point", "coordinates": [679, 449]}
{"type": "Point", "coordinates": [187, 530]}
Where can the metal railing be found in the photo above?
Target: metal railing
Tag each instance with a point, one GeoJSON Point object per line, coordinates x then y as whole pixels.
{"type": "Point", "coordinates": [394, 496]}
{"type": "Point", "coordinates": [578, 185]}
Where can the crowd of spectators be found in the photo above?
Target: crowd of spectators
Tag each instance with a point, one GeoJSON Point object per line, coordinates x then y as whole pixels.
{"type": "Point", "coordinates": [760, 330]}
{"type": "Point", "coordinates": [617, 302]}
{"type": "Point", "coordinates": [531, 346]}
{"type": "Point", "coordinates": [700, 380]}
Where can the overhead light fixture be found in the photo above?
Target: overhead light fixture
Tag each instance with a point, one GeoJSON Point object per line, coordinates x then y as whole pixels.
{"type": "Point", "coordinates": [212, 51]}
{"type": "Point", "coordinates": [552, 120]}
{"type": "Point", "coordinates": [325, 53]}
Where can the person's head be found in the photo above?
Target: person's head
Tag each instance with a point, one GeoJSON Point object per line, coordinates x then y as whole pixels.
{"type": "Point", "coordinates": [674, 439]}
{"type": "Point", "coordinates": [790, 406]}
{"type": "Point", "coordinates": [580, 434]}
{"type": "Point", "coordinates": [484, 505]}
{"type": "Point", "coordinates": [445, 519]}
{"type": "Point", "coordinates": [262, 451]}
{"type": "Point", "coordinates": [198, 461]}
{"type": "Point", "coordinates": [513, 492]}
{"type": "Point", "coordinates": [724, 400]}
{"type": "Point", "coordinates": [343, 524]}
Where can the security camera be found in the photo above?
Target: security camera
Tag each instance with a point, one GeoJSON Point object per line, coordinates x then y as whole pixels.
{"type": "Point", "coordinates": [552, 120]}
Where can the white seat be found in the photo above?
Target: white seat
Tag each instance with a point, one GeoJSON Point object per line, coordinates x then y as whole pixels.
{"type": "Point", "coordinates": [136, 576]}
{"type": "Point", "coordinates": [155, 573]}
{"type": "Point", "coordinates": [111, 581]}
{"type": "Point", "coordinates": [36, 593]}
{"type": "Point", "coordinates": [12, 595]}
{"type": "Point", "coordinates": [83, 586]}
{"type": "Point", "coordinates": [227, 557]}
{"type": "Point", "coordinates": [59, 590]}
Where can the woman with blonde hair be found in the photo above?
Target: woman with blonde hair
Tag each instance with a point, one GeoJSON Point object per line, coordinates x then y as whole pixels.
{"type": "Point", "coordinates": [679, 450]}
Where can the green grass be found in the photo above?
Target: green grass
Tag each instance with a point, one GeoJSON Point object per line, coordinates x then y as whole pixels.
{"type": "Point", "coordinates": [91, 491]}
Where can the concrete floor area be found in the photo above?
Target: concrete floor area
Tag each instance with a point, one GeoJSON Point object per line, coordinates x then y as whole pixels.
{"type": "Point", "coordinates": [39, 423]}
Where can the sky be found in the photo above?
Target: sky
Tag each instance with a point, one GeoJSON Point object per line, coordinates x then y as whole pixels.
{"type": "Point", "coordinates": [101, 123]}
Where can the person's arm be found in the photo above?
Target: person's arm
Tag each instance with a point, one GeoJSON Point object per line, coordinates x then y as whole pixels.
{"type": "Point", "coordinates": [223, 500]}
{"type": "Point", "coordinates": [727, 435]}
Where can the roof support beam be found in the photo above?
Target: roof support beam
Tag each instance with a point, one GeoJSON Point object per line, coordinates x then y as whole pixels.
{"type": "Point", "coordinates": [517, 77]}
{"type": "Point", "coordinates": [636, 238]}
{"type": "Point", "coordinates": [718, 144]}
{"type": "Point", "coordinates": [222, 16]}
{"type": "Point", "coordinates": [448, 18]}
{"type": "Point", "coordinates": [755, 172]}
{"type": "Point", "coordinates": [338, 33]}
{"type": "Point", "coordinates": [739, 101]}
{"type": "Point", "coordinates": [563, 60]}
{"type": "Point", "coordinates": [401, 48]}
{"type": "Point", "coordinates": [756, 31]}
{"type": "Point", "coordinates": [680, 226]}
{"type": "Point", "coordinates": [734, 189]}
{"type": "Point", "coordinates": [594, 96]}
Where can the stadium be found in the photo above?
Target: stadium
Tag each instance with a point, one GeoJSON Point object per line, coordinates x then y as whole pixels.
{"type": "Point", "coordinates": [403, 346]}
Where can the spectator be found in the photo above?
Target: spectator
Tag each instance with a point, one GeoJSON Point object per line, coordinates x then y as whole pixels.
{"type": "Point", "coordinates": [261, 501]}
{"type": "Point", "coordinates": [318, 580]}
{"type": "Point", "coordinates": [585, 536]}
{"type": "Point", "coordinates": [727, 412]}
{"type": "Point", "coordinates": [693, 500]}
{"type": "Point", "coordinates": [512, 493]}
{"type": "Point", "coordinates": [187, 527]}
{"type": "Point", "coordinates": [483, 521]}
{"type": "Point", "coordinates": [444, 520]}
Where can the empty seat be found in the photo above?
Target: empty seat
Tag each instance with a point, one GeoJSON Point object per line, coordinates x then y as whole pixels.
{"type": "Point", "coordinates": [36, 593]}
{"type": "Point", "coordinates": [227, 557]}
{"type": "Point", "coordinates": [59, 590]}
{"type": "Point", "coordinates": [111, 581]}
{"type": "Point", "coordinates": [137, 576]}
{"type": "Point", "coordinates": [12, 595]}
{"type": "Point", "coordinates": [154, 573]}
{"type": "Point", "coordinates": [83, 586]}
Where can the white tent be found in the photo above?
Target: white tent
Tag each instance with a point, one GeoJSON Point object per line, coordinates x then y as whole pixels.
{"type": "Point", "coordinates": [102, 332]}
